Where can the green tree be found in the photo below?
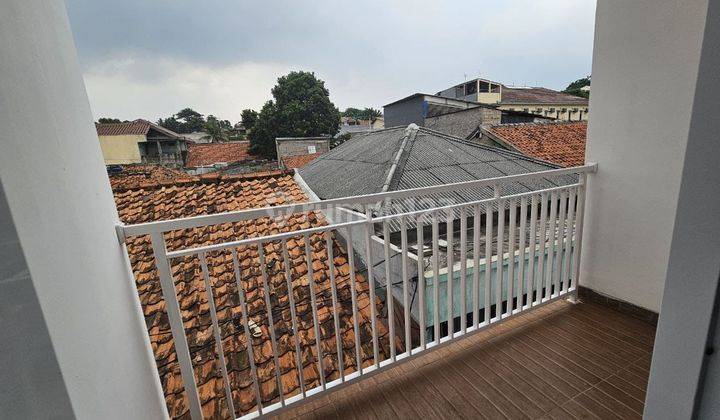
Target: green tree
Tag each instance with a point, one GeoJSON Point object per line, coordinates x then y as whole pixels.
{"type": "Point", "coordinates": [249, 117]}
{"type": "Point", "coordinates": [190, 120]}
{"type": "Point", "coordinates": [170, 123]}
{"type": "Point", "coordinates": [301, 108]}
{"type": "Point", "coordinates": [216, 130]}
{"type": "Point", "coordinates": [575, 87]}
{"type": "Point", "coordinates": [352, 113]}
{"type": "Point", "coordinates": [105, 120]}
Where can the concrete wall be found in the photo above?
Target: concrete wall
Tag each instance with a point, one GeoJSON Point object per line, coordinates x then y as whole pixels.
{"type": "Point", "coordinates": [121, 150]}
{"type": "Point", "coordinates": [405, 113]}
{"type": "Point", "coordinates": [685, 376]}
{"type": "Point", "coordinates": [63, 213]}
{"type": "Point", "coordinates": [643, 89]}
{"type": "Point", "coordinates": [301, 146]}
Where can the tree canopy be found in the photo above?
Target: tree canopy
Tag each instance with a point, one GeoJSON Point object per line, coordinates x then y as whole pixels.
{"type": "Point", "coordinates": [301, 108]}
{"type": "Point", "coordinates": [106, 120]}
{"type": "Point", "coordinates": [249, 117]}
{"type": "Point", "coordinates": [575, 87]}
{"type": "Point", "coordinates": [184, 121]}
{"type": "Point", "coordinates": [362, 114]}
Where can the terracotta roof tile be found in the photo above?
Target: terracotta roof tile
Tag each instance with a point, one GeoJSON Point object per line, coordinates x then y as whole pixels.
{"type": "Point", "coordinates": [227, 194]}
{"type": "Point", "coordinates": [211, 153]}
{"type": "Point", "coordinates": [559, 143]}
{"type": "Point", "coordinates": [134, 176]}
{"type": "Point", "coordinates": [137, 127]}
{"type": "Point", "coordinates": [298, 161]}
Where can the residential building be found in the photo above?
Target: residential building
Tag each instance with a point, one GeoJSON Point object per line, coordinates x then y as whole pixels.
{"type": "Point", "coordinates": [580, 340]}
{"type": "Point", "coordinates": [308, 147]}
{"type": "Point", "coordinates": [141, 141]}
{"type": "Point", "coordinates": [419, 108]}
{"type": "Point", "coordinates": [534, 100]}
{"type": "Point", "coordinates": [561, 143]}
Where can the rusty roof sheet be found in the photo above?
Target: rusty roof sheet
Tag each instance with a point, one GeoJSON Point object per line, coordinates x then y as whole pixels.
{"type": "Point", "coordinates": [218, 194]}
{"type": "Point", "coordinates": [538, 95]}
{"type": "Point", "coordinates": [298, 161]}
{"type": "Point", "coordinates": [210, 153]}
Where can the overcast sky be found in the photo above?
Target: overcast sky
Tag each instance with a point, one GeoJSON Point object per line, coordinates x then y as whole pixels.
{"type": "Point", "coordinates": [150, 58]}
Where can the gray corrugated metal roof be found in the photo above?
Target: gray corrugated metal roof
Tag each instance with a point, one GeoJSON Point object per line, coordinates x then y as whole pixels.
{"type": "Point", "coordinates": [361, 166]}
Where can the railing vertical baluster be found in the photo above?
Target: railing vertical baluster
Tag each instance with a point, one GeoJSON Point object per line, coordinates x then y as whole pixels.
{"type": "Point", "coordinates": [389, 300]}
{"type": "Point", "coordinates": [336, 308]}
{"type": "Point", "coordinates": [267, 290]}
{"type": "Point", "coordinates": [436, 277]}
{"type": "Point", "coordinates": [488, 258]}
{"type": "Point", "coordinates": [248, 335]}
{"type": "Point", "coordinates": [420, 224]}
{"type": "Point", "coordinates": [476, 265]}
{"type": "Point", "coordinates": [293, 315]}
{"type": "Point", "coordinates": [560, 247]}
{"type": "Point", "coordinates": [511, 257]}
{"type": "Point", "coordinates": [405, 285]}
{"type": "Point", "coordinates": [569, 240]}
{"type": "Point", "coordinates": [543, 237]}
{"type": "Point", "coordinates": [177, 327]}
{"type": "Point", "coordinates": [353, 298]}
{"type": "Point", "coordinates": [371, 283]}
{"type": "Point", "coordinates": [500, 260]}
{"type": "Point", "coordinates": [450, 275]}
{"type": "Point", "coordinates": [552, 234]}
{"type": "Point", "coordinates": [579, 217]}
{"type": "Point", "coordinates": [216, 333]}
{"type": "Point", "coordinates": [533, 246]}
{"type": "Point", "coordinates": [313, 305]}
{"type": "Point", "coordinates": [522, 285]}
{"type": "Point", "coordinates": [463, 269]}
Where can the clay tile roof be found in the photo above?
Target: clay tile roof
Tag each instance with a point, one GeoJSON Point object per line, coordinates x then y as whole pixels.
{"type": "Point", "coordinates": [535, 95]}
{"type": "Point", "coordinates": [560, 143]}
{"type": "Point", "coordinates": [137, 127]}
{"type": "Point", "coordinates": [211, 153]}
{"type": "Point", "coordinates": [292, 162]}
{"type": "Point", "coordinates": [135, 176]}
{"type": "Point", "coordinates": [217, 195]}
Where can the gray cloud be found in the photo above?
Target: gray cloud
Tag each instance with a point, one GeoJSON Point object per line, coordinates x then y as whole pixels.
{"type": "Point", "coordinates": [369, 53]}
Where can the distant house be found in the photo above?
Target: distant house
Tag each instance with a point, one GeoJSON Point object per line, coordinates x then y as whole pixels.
{"type": "Point", "coordinates": [466, 123]}
{"type": "Point", "coordinates": [295, 152]}
{"type": "Point", "coordinates": [421, 108]}
{"type": "Point", "coordinates": [141, 141]}
{"type": "Point", "coordinates": [210, 157]}
{"type": "Point", "coordinates": [561, 143]}
{"type": "Point", "coordinates": [534, 100]}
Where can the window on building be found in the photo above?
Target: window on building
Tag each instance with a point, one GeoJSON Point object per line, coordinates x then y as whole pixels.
{"type": "Point", "coordinates": [470, 88]}
{"type": "Point", "coordinates": [312, 149]}
{"type": "Point", "coordinates": [484, 87]}
{"type": "Point", "coordinates": [459, 91]}
{"type": "Point", "coordinates": [494, 88]}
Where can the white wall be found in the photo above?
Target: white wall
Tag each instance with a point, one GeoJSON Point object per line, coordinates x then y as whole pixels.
{"type": "Point", "coordinates": [645, 65]}
{"type": "Point", "coordinates": [62, 209]}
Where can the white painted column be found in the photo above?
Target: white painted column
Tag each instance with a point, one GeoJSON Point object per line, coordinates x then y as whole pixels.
{"type": "Point", "coordinates": [62, 209]}
{"type": "Point", "coordinates": [645, 66]}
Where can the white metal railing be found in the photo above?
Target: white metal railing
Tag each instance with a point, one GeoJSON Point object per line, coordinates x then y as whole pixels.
{"type": "Point", "coordinates": [525, 253]}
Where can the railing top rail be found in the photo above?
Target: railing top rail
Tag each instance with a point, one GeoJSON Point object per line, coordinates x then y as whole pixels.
{"type": "Point", "coordinates": [250, 214]}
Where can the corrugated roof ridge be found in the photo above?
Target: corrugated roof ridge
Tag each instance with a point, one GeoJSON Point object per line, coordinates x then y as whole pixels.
{"type": "Point", "coordinates": [398, 164]}
{"type": "Point", "coordinates": [209, 178]}
{"type": "Point", "coordinates": [490, 148]}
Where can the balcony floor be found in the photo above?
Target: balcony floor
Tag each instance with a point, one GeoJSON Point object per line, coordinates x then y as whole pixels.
{"type": "Point", "coordinates": [560, 361]}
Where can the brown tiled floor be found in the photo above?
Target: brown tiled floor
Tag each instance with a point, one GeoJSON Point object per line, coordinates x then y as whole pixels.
{"type": "Point", "coordinates": [561, 361]}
